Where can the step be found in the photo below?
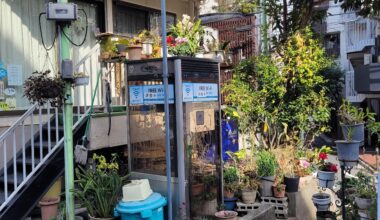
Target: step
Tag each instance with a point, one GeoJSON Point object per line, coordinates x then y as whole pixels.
{"type": "Point", "coordinates": [11, 178]}
{"type": "Point", "coordinates": [28, 161]}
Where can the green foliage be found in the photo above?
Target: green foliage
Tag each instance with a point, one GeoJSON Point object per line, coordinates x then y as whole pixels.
{"type": "Point", "coordinates": [363, 8]}
{"type": "Point", "coordinates": [99, 189]}
{"type": "Point", "coordinates": [287, 22]}
{"type": "Point", "coordinates": [230, 175]}
{"type": "Point", "coordinates": [365, 186]}
{"type": "Point", "coordinates": [284, 94]}
{"type": "Point", "coordinates": [266, 163]}
{"type": "Point", "coordinates": [351, 115]}
{"type": "Point", "coordinates": [243, 6]}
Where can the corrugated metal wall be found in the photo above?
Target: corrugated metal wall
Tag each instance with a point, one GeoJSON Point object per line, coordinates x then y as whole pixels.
{"type": "Point", "coordinates": [20, 41]}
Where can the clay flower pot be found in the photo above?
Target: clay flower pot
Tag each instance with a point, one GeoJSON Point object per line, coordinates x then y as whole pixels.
{"type": "Point", "coordinates": [49, 208]}
{"type": "Point", "coordinates": [279, 190]}
{"type": "Point", "coordinates": [197, 189]}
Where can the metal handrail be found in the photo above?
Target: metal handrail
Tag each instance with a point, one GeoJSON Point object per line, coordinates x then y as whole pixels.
{"type": "Point", "coordinates": [18, 121]}
{"type": "Point", "coordinates": [12, 150]}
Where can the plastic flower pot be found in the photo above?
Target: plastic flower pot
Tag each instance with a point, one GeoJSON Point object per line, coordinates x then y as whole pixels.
{"type": "Point", "coordinates": [364, 215]}
{"type": "Point", "coordinates": [49, 208]}
{"type": "Point", "coordinates": [248, 196]}
{"type": "Point", "coordinates": [279, 191]}
{"type": "Point", "coordinates": [82, 80]}
{"type": "Point", "coordinates": [230, 203]}
{"type": "Point", "coordinates": [134, 52]}
{"type": "Point", "coordinates": [357, 131]}
{"type": "Point", "coordinates": [292, 183]}
{"type": "Point", "coordinates": [226, 215]}
{"type": "Point", "coordinates": [197, 189]}
{"type": "Point", "coordinates": [326, 179]}
{"type": "Point", "coordinates": [266, 183]}
{"type": "Point", "coordinates": [363, 203]}
{"type": "Point", "coordinates": [348, 152]}
{"type": "Point", "coordinates": [121, 48]}
{"type": "Point", "coordinates": [322, 201]}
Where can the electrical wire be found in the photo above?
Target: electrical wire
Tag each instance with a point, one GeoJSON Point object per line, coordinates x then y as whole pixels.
{"type": "Point", "coordinates": [85, 35]}
{"type": "Point", "coordinates": [42, 38]}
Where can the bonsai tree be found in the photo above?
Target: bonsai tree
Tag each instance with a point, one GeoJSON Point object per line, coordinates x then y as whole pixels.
{"type": "Point", "coordinates": [42, 88]}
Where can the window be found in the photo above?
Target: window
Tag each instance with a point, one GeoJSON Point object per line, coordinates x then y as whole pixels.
{"type": "Point", "coordinates": [131, 20]}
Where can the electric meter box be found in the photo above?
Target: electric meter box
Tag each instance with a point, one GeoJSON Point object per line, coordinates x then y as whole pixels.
{"type": "Point", "coordinates": [61, 11]}
{"type": "Point", "coordinates": [194, 128]}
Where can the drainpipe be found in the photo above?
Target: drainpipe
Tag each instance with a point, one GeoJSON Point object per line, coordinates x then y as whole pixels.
{"type": "Point", "coordinates": [264, 25]}
{"type": "Point", "coordinates": [64, 53]}
{"type": "Point", "coordinates": [165, 76]}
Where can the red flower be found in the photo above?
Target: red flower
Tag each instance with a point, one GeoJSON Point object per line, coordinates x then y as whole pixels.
{"type": "Point", "coordinates": [322, 156]}
{"type": "Point", "coordinates": [333, 168]}
{"type": "Point", "coordinates": [170, 40]}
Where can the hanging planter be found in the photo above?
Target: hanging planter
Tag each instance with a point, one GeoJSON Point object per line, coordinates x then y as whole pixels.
{"type": "Point", "coordinates": [322, 201]}
{"type": "Point", "coordinates": [348, 152]}
{"type": "Point", "coordinates": [326, 179]}
{"type": "Point", "coordinates": [81, 80]}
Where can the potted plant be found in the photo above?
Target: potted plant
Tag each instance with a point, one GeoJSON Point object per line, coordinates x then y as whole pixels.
{"type": "Point", "coordinates": [121, 45]}
{"type": "Point", "coordinates": [185, 37]}
{"type": "Point", "coordinates": [108, 48]}
{"type": "Point", "coordinates": [147, 41]}
{"type": "Point", "coordinates": [248, 188]}
{"type": "Point", "coordinates": [352, 119]}
{"type": "Point", "coordinates": [266, 169]}
{"type": "Point", "coordinates": [99, 189]}
{"type": "Point", "coordinates": [365, 191]}
{"type": "Point", "coordinates": [326, 171]}
{"type": "Point", "coordinates": [134, 49]}
{"type": "Point", "coordinates": [231, 182]}
{"type": "Point", "coordinates": [291, 181]}
{"type": "Point", "coordinates": [42, 88]}
{"type": "Point", "coordinates": [81, 79]}
{"type": "Point", "coordinates": [279, 187]}
{"type": "Point", "coordinates": [348, 150]}
{"type": "Point", "coordinates": [322, 201]}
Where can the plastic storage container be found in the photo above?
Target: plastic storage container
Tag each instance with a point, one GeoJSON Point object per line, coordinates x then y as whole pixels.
{"type": "Point", "coordinates": [137, 190]}
{"type": "Point", "coordinates": [150, 209]}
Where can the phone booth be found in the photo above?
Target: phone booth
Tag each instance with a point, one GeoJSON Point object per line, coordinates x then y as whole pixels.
{"type": "Point", "coordinates": [194, 102]}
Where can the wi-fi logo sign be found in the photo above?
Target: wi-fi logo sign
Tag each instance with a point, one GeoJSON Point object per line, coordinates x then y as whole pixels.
{"type": "Point", "coordinates": [188, 90]}
{"type": "Point", "coordinates": [136, 92]}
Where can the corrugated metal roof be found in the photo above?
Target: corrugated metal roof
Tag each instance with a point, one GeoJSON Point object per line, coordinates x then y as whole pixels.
{"type": "Point", "coordinates": [208, 18]}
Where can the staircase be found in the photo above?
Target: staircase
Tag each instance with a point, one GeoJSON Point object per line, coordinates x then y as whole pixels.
{"type": "Point", "coordinates": [32, 149]}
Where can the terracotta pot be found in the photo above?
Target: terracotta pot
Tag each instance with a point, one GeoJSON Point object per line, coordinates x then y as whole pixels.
{"type": "Point", "coordinates": [226, 215]}
{"type": "Point", "coordinates": [49, 208]}
{"type": "Point", "coordinates": [279, 191]}
{"type": "Point", "coordinates": [134, 52]}
{"type": "Point", "coordinates": [93, 218]}
{"type": "Point", "coordinates": [229, 194]}
{"type": "Point", "coordinates": [197, 189]}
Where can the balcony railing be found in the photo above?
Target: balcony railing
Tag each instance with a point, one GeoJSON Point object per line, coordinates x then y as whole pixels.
{"type": "Point", "coordinates": [360, 34]}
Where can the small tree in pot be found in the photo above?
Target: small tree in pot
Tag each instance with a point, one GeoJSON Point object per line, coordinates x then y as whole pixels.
{"type": "Point", "coordinates": [266, 169]}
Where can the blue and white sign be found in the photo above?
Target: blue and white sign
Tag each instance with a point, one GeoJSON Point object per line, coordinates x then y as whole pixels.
{"type": "Point", "coordinates": [187, 92]}
{"type": "Point", "coordinates": [3, 71]}
{"type": "Point", "coordinates": [136, 96]}
{"type": "Point", "coordinates": [204, 92]}
{"type": "Point", "coordinates": [154, 94]}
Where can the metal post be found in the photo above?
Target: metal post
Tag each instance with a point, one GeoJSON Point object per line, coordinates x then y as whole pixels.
{"type": "Point", "coordinates": [64, 50]}
{"type": "Point", "coordinates": [342, 168]}
{"type": "Point", "coordinates": [180, 137]}
{"type": "Point", "coordinates": [166, 108]}
{"type": "Point", "coordinates": [378, 194]}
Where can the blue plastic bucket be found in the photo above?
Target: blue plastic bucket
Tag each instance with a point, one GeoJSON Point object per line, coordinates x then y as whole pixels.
{"type": "Point", "coordinates": [151, 208]}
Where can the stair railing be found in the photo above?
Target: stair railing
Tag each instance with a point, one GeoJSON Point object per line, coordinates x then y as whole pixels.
{"type": "Point", "coordinates": [28, 131]}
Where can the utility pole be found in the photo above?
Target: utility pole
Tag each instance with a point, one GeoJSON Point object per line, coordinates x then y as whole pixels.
{"type": "Point", "coordinates": [264, 27]}
{"type": "Point", "coordinates": [64, 53]}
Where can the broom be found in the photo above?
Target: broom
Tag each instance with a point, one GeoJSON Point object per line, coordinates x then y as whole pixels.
{"type": "Point", "coordinates": [81, 151]}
